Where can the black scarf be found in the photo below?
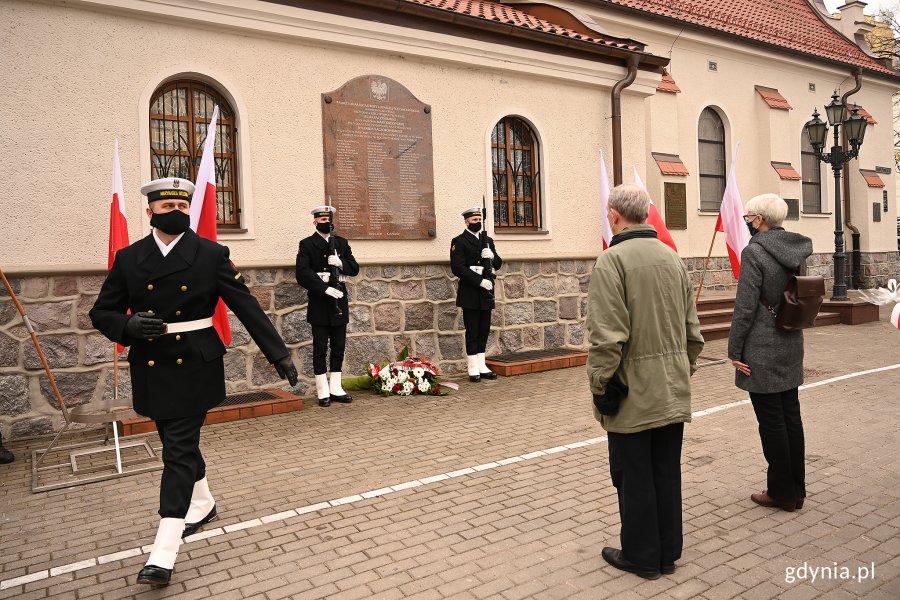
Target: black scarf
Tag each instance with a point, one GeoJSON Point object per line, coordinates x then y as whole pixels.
{"type": "Point", "coordinates": [626, 235]}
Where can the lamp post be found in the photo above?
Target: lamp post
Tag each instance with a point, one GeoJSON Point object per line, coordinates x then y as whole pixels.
{"type": "Point", "coordinates": [817, 131]}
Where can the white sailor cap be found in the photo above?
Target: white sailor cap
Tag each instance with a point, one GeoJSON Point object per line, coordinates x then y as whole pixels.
{"type": "Point", "coordinates": [475, 211]}
{"type": "Point", "coordinates": [168, 188]}
{"type": "Point", "coordinates": [323, 211]}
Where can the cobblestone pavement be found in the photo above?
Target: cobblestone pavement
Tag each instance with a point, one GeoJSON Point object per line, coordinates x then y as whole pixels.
{"type": "Point", "coordinates": [516, 500]}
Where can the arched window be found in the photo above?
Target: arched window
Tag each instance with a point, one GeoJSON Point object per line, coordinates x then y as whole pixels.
{"type": "Point", "coordinates": [811, 172]}
{"type": "Point", "coordinates": [711, 142]}
{"type": "Point", "coordinates": [515, 158]}
{"type": "Point", "coordinates": [180, 112]}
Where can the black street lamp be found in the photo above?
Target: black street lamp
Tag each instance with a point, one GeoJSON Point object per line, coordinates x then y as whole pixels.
{"type": "Point", "coordinates": [855, 130]}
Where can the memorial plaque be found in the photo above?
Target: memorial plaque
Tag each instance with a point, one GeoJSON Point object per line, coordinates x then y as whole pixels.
{"type": "Point", "coordinates": [378, 160]}
{"type": "Point", "coordinates": [676, 205]}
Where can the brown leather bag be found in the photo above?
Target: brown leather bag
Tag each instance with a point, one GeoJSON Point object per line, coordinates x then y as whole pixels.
{"type": "Point", "coordinates": [801, 300]}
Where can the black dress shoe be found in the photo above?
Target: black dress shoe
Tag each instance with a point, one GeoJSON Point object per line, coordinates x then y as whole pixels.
{"type": "Point", "coordinates": [192, 528]}
{"type": "Point", "coordinates": [667, 569]}
{"type": "Point", "coordinates": [474, 378]}
{"type": "Point", "coordinates": [488, 375]}
{"type": "Point", "coordinates": [325, 401]}
{"type": "Point", "coordinates": [614, 557]}
{"type": "Point", "coordinates": [153, 575]}
{"type": "Point", "coordinates": [345, 399]}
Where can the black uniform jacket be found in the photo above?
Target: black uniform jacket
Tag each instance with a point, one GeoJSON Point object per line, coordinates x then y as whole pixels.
{"type": "Point", "coordinates": [312, 258]}
{"type": "Point", "coordinates": [465, 252]}
{"type": "Point", "coordinates": [178, 375]}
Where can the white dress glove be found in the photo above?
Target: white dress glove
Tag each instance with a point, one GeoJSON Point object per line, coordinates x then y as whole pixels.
{"type": "Point", "coordinates": [486, 253]}
{"type": "Point", "coordinates": [334, 261]}
{"type": "Point", "coordinates": [487, 284]}
{"type": "Point", "coordinates": [334, 293]}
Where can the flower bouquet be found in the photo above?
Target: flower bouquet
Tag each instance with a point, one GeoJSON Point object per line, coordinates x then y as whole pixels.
{"type": "Point", "coordinates": [405, 377]}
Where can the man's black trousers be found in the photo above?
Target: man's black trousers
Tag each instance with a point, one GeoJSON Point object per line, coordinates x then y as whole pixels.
{"type": "Point", "coordinates": [323, 337]}
{"type": "Point", "coordinates": [182, 464]}
{"type": "Point", "coordinates": [646, 470]}
{"type": "Point", "coordinates": [478, 327]}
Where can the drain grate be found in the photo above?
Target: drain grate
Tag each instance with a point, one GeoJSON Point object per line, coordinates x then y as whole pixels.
{"type": "Point", "coordinates": [535, 354]}
{"type": "Point", "coordinates": [248, 398]}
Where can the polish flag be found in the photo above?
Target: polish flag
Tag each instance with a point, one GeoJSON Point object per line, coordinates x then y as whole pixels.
{"type": "Point", "coordinates": [203, 214]}
{"type": "Point", "coordinates": [604, 203]}
{"type": "Point", "coordinates": [118, 220]}
{"type": "Point", "coordinates": [731, 219]}
{"type": "Point", "coordinates": [662, 233]}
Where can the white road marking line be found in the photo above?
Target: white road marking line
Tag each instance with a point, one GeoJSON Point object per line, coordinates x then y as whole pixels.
{"type": "Point", "coordinates": [106, 558]}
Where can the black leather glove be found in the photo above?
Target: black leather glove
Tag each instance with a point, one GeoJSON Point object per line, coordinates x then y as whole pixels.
{"type": "Point", "coordinates": [286, 370]}
{"type": "Point", "coordinates": [143, 325]}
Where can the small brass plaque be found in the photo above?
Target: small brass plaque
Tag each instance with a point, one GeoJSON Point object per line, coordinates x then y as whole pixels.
{"type": "Point", "coordinates": [676, 205]}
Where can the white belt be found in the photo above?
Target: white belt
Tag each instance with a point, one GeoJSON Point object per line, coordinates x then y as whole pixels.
{"type": "Point", "coordinates": [326, 277]}
{"type": "Point", "coordinates": [479, 270]}
{"type": "Point", "coordinates": [189, 325]}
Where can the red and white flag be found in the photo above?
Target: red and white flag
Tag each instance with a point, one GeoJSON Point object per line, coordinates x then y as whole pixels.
{"type": "Point", "coordinates": [604, 204]}
{"type": "Point", "coordinates": [203, 214]}
{"type": "Point", "coordinates": [118, 220]}
{"type": "Point", "coordinates": [662, 232]}
{"type": "Point", "coordinates": [731, 219]}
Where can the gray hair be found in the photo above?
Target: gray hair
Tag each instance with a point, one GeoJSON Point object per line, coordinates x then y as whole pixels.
{"type": "Point", "coordinates": [771, 207]}
{"type": "Point", "coordinates": [631, 201]}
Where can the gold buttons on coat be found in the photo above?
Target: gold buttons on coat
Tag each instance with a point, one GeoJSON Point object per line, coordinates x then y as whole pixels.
{"type": "Point", "coordinates": [184, 288]}
{"type": "Point", "coordinates": [179, 361]}
{"type": "Point", "coordinates": [149, 286]}
{"type": "Point", "coordinates": [150, 363]}
{"type": "Point", "coordinates": [178, 338]}
{"type": "Point", "coordinates": [177, 313]}
{"type": "Point", "coordinates": [237, 276]}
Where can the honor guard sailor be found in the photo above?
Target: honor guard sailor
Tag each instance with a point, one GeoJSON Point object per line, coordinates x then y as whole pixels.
{"type": "Point", "coordinates": [474, 260]}
{"type": "Point", "coordinates": [171, 282]}
{"type": "Point", "coordinates": [324, 261]}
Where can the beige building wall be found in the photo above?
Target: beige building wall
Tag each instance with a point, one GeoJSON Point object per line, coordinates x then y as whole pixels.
{"type": "Point", "coordinates": [88, 71]}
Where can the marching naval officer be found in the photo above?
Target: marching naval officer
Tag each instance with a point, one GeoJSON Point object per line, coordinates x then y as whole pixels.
{"type": "Point", "coordinates": [324, 260]}
{"type": "Point", "coordinates": [171, 281]}
{"type": "Point", "coordinates": [469, 255]}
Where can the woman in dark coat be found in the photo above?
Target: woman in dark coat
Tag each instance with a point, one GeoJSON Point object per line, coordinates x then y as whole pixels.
{"type": "Point", "coordinates": [768, 359]}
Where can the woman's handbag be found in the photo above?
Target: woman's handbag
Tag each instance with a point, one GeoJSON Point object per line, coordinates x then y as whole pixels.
{"type": "Point", "coordinates": [801, 300]}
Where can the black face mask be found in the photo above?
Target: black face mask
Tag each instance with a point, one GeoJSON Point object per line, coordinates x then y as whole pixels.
{"type": "Point", "coordinates": [474, 227]}
{"type": "Point", "coordinates": [323, 227]}
{"type": "Point", "coordinates": [173, 222]}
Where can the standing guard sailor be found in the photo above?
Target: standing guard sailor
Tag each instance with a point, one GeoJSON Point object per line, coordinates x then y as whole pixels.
{"type": "Point", "coordinates": [171, 282]}
{"type": "Point", "coordinates": [474, 260]}
{"type": "Point", "coordinates": [324, 261]}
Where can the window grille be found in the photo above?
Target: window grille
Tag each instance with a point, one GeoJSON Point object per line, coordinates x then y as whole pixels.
{"type": "Point", "coordinates": [515, 157]}
{"type": "Point", "coordinates": [711, 145]}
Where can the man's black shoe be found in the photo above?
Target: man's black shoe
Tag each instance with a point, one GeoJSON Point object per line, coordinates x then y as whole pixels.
{"type": "Point", "coordinates": [192, 528]}
{"type": "Point", "coordinates": [345, 399]}
{"type": "Point", "coordinates": [6, 456]}
{"type": "Point", "coordinates": [488, 375]}
{"type": "Point", "coordinates": [614, 557]}
{"type": "Point", "coordinates": [323, 402]}
{"type": "Point", "coordinates": [153, 575]}
{"type": "Point", "coordinates": [667, 569]}
{"type": "Point", "coordinates": [474, 378]}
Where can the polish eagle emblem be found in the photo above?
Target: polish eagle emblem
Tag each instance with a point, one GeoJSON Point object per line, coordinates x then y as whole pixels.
{"type": "Point", "coordinates": [379, 89]}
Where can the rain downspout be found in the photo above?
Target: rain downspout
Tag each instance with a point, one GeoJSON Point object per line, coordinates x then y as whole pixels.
{"type": "Point", "coordinates": [617, 116]}
{"type": "Point", "coordinates": [856, 268]}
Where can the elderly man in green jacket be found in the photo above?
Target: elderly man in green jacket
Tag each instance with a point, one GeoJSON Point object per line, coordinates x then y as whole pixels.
{"type": "Point", "coordinates": [644, 342]}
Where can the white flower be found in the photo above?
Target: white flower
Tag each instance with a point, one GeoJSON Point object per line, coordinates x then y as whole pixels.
{"type": "Point", "coordinates": [424, 386]}
{"type": "Point", "coordinates": [402, 376]}
{"type": "Point", "coordinates": [407, 388]}
{"type": "Point", "coordinates": [418, 372]}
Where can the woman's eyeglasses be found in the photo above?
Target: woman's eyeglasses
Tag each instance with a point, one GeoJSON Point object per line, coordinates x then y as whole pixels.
{"type": "Point", "coordinates": [749, 218]}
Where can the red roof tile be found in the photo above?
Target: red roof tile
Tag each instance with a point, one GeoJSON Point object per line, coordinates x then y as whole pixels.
{"type": "Point", "coordinates": [669, 164]}
{"type": "Point", "coordinates": [668, 84]}
{"type": "Point", "coordinates": [790, 24]}
{"type": "Point", "coordinates": [864, 113]}
{"type": "Point", "coordinates": [872, 178]}
{"type": "Point", "coordinates": [500, 13]}
{"type": "Point", "coordinates": [772, 97]}
{"type": "Point", "coordinates": [786, 171]}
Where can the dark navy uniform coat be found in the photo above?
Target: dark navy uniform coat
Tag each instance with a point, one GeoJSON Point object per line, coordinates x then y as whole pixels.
{"type": "Point", "coordinates": [178, 375]}
{"type": "Point", "coordinates": [312, 258]}
{"type": "Point", "coordinates": [465, 252]}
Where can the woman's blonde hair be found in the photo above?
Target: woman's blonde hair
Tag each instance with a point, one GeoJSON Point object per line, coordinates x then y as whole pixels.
{"type": "Point", "coordinates": [771, 207]}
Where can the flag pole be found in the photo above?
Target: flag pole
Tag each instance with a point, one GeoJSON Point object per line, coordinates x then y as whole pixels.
{"type": "Point", "coordinates": [706, 265]}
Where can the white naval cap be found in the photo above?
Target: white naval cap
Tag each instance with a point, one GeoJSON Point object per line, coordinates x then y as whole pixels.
{"type": "Point", "coordinates": [168, 188]}
{"type": "Point", "coordinates": [323, 211]}
{"type": "Point", "coordinates": [475, 211]}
